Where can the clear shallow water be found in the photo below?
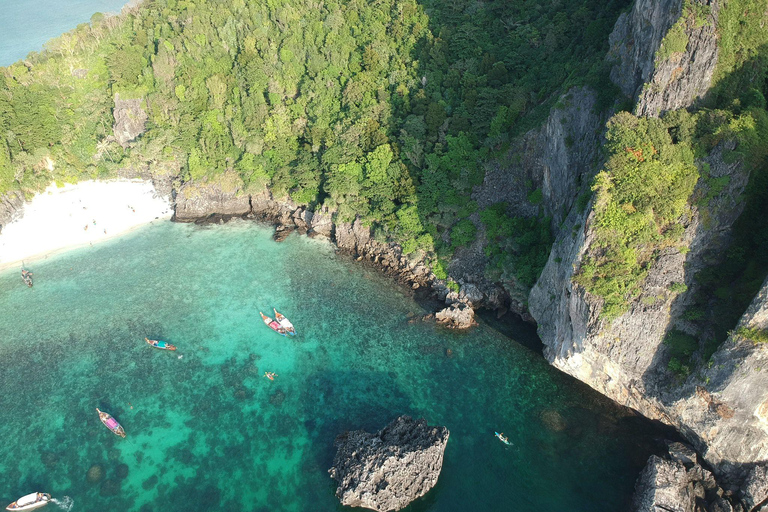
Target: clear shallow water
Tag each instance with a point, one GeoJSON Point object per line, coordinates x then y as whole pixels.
{"type": "Point", "coordinates": [26, 25]}
{"type": "Point", "coordinates": [208, 432]}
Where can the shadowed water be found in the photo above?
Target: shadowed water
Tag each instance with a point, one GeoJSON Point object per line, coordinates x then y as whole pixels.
{"type": "Point", "coordinates": [206, 431]}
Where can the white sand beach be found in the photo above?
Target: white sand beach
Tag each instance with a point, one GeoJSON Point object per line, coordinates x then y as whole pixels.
{"type": "Point", "coordinates": [75, 215]}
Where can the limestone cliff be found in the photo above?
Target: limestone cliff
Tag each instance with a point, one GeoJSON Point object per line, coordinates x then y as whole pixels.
{"type": "Point", "coordinates": [720, 409]}
{"type": "Point", "coordinates": [665, 53]}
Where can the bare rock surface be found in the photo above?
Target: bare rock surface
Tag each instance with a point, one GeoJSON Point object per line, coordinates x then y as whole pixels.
{"type": "Point", "coordinates": [387, 470]}
{"type": "Point", "coordinates": [663, 486]}
{"type": "Point", "coordinates": [682, 77]}
{"type": "Point", "coordinates": [222, 195]}
{"type": "Point", "coordinates": [130, 120]}
{"type": "Point", "coordinates": [755, 489]}
{"type": "Point", "coordinates": [635, 39]}
{"type": "Point", "coordinates": [458, 315]}
{"type": "Point", "coordinates": [11, 205]}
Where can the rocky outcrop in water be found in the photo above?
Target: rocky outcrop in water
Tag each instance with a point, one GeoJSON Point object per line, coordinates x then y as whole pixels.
{"type": "Point", "coordinates": [458, 315]}
{"type": "Point", "coordinates": [678, 483]}
{"type": "Point", "coordinates": [387, 470]}
{"type": "Point", "coordinates": [130, 120]}
{"type": "Point", "coordinates": [221, 195]}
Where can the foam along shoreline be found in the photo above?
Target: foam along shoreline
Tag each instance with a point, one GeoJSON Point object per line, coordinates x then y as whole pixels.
{"type": "Point", "coordinates": [74, 215]}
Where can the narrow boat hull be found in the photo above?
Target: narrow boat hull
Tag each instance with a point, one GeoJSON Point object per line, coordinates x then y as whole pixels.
{"type": "Point", "coordinates": [160, 345]}
{"type": "Point", "coordinates": [111, 423]}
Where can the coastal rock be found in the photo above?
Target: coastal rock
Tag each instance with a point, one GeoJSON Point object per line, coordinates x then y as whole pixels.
{"type": "Point", "coordinates": [663, 486]}
{"type": "Point", "coordinates": [222, 195]}
{"type": "Point", "coordinates": [387, 470]}
{"type": "Point", "coordinates": [130, 120]}
{"type": "Point", "coordinates": [458, 315]}
{"type": "Point", "coordinates": [755, 488]}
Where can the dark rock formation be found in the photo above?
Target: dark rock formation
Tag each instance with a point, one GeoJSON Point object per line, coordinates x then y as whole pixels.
{"type": "Point", "coordinates": [387, 470]}
{"type": "Point", "coordinates": [221, 195]}
{"type": "Point", "coordinates": [130, 120]}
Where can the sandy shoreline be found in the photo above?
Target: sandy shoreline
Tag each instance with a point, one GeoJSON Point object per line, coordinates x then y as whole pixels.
{"type": "Point", "coordinates": [63, 218]}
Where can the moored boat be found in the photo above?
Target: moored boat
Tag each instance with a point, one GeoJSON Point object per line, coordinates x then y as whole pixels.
{"type": "Point", "coordinates": [284, 323]}
{"type": "Point", "coordinates": [111, 423]}
{"type": "Point", "coordinates": [162, 345]}
{"type": "Point", "coordinates": [30, 501]}
{"type": "Point", "coordinates": [273, 324]}
{"type": "Point", "coordinates": [26, 276]}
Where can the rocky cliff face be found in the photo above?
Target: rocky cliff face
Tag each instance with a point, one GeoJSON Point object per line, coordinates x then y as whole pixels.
{"type": "Point", "coordinates": [720, 409]}
{"type": "Point", "coordinates": [635, 40]}
{"type": "Point", "coordinates": [665, 69]}
{"type": "Point", "coordinates": [559, 158]}
{"type": "Point", "coordinates": [130, 120]}
{"type": "Point", "coordinates": [223, 195]}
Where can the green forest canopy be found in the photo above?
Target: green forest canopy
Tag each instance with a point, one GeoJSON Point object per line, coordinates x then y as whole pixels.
{"type": "Point", "coordinates": [385, 109]}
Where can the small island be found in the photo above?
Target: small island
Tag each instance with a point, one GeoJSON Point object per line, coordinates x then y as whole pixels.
{"type": "Point", "coordinates": [387, 470]}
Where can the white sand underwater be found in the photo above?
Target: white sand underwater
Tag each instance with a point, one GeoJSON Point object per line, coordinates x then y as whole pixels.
{"type": "Point", "coordinates": [75, 215]}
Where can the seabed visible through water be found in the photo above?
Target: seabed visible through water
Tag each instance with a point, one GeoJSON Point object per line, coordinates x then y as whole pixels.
{"type": "Point", "coordinates": [206, 431]}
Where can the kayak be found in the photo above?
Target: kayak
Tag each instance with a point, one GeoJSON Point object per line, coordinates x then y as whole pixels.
{"type": "Point", "coordinates": [30, 501]}
{"type": "Point", "coordinates": [111, 423]}
{"type": "Point", "coordinates": [504, 439]}
{"type": "Point", "coordinates": [284, 323]}
{"type": "Point", "coordinates": [163, 345]}
{"type": "Point", "coordinates": [272, 324]}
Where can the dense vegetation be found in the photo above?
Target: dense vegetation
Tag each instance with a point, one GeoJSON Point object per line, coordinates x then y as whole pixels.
{"type": "Point", "coordinates": [387, 110]}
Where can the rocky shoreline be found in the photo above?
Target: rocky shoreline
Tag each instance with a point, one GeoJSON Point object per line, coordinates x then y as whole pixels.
{"type": "Point", "coordinates": [217, 202]}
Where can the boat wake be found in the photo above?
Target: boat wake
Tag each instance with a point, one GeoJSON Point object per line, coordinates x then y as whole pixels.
{"type": "Point", "coordinates": [66, 503]}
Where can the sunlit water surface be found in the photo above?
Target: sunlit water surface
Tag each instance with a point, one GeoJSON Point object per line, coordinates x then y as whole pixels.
{"type": "Point", "coordinates": [207, 432]}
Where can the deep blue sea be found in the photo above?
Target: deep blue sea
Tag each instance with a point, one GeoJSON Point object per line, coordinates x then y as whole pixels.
{"type": "Point", "coordinates": [26, 24]}
{"type": "Point", "coordinates": [206, 431]}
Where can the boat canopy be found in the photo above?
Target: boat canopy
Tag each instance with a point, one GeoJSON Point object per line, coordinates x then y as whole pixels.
{"type": "Point", "coordinates": [27, 500]}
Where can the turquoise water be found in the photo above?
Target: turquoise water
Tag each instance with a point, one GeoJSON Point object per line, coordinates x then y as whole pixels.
{"type": "Point", "coordinates": [26, 25]}
{"type": "Point", "coordinates": [207, 432]}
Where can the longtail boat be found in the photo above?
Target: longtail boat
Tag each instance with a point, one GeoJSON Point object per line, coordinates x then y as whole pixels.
{"type": "Point", "coordinates": [273, 324]}
{"type": "Point", "coordinates": [30, 501]}
{"type": "Point", "coordinates": [162, 345]}
{"type": "Point", "coordinates": [285, 323]}
{"type": "Point", "coordinates": [111, 423]}
{"type": "Point", "coordinates": [26, 276]}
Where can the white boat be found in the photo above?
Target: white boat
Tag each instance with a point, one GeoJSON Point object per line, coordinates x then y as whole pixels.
{"type": "Point", "coordinates": [30, 501]}
{"type": "Point", "coordinates": [285, 323]}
